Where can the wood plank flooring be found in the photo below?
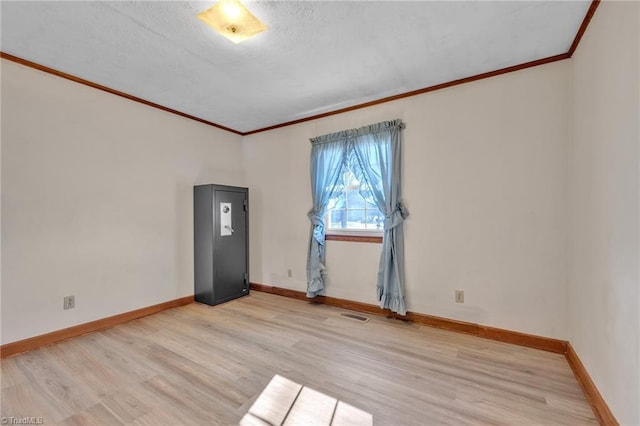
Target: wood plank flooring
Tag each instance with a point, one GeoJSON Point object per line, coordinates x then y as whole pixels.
{"type": "Point", "coordinates": [206, 365]}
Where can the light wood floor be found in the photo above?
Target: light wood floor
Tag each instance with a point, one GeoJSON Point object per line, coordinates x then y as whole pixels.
{"type": "Point", "coordinates": [206, 365]}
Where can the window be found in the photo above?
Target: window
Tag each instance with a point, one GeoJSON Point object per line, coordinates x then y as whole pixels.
{"type": "Point", "coordinates": [354, 208]}
{"type": "Point", "coordinates": [349, 170]}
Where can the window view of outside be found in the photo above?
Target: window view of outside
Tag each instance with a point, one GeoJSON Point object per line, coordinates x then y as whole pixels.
{"type": "Point", "coordinates": [354, 208]}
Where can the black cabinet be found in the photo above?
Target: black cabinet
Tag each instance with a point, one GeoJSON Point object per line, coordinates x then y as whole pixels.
{"type": "Point", "coordinates": [221, 243]}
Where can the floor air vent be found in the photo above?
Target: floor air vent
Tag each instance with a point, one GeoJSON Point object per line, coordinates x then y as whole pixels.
{"type": "Point", "coordinates": [355, 317]}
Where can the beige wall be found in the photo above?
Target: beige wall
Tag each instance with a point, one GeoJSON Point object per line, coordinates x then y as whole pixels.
{"type": "Point", "coordinates": [484, 181]}
{"type": "Point", "coordinates": [96, 204]}
{"type": "Point", "coordinates": [603, 220]}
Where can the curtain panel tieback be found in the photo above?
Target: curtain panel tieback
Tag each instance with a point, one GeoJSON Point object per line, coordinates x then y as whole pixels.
{"type": "Point", "coordinates": [317, 220]}
{"type": "Point", "coordinates": [396, 217]}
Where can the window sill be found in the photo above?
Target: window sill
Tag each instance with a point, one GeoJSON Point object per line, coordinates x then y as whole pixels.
{"type": "Point", "coordinates": [354, 238]}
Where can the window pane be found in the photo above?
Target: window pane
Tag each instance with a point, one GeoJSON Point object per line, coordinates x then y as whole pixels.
{"type": "Point", "coordinates": [375, 220]}
{"type": "Point", "coordinates": [368, 197]}
{"type": "Point", "coordinates": [337, 219]}
{"type": "Point", "coordinates": [354, 200]}
{"type": "Point", "coordinates": [354, 207]}
{"type": "Point", "coordinates": [338, 202]}
{"type": "Point", "coordinates": [356, 219]}
{"type": "Point", "coordinates": [371, 204]}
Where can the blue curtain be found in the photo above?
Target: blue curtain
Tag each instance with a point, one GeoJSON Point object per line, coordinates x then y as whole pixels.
{"type": "Point", "coordinates": [374, 154]}
{"type": "Point", "coordinates": [377, 150]}
{"type": "Point", "coordinates": [327, 158]}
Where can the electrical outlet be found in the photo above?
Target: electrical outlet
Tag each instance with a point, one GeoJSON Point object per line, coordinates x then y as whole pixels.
{"type": "Point", "coordinates": [459, 296]}
{"type": "Point", "coordinates": [69, 302]}
{"type": "Point", "coordinates": [289, 273]}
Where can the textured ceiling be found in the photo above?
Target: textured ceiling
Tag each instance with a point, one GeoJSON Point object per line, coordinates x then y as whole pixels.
{"type": "Point", "coordinates": [315, 57]}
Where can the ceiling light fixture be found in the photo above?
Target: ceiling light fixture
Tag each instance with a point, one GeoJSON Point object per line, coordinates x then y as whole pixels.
{"type": "Point", "coordinates": [231, 19]}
